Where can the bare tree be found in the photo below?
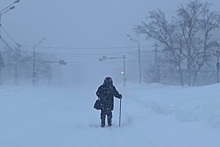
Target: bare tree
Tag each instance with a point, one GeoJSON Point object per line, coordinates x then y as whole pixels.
{"type": "Point", "coordinates": [158, 72]}
{"type": "Point", "coordinates": [196, 22]}
{"type": "Point", "coordinates": [163, 32]}
{"type": "Point", "coordinates": [16, 64]}
{"type": "Point", "coordinates": [187, 40]}
{"type": "Point", "coordinates": [43, 68]}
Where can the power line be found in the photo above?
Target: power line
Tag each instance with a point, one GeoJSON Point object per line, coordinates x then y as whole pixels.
{"type": "Point", "coordinates": [7, 44]}
{"type": "Point", "coordinates": [86, 48]}
{"type": "Point", "coordinates": [92, 54]}
{"type": "Point", "coordinates": [77, 48]}
{"type": "Point", "coordinates": [78, 54]}
{"type": "Point", "coordinates": [8, 34]}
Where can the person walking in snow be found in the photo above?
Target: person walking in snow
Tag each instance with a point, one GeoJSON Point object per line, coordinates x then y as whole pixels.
{"type": "Point", "coordinates": [106, 93]}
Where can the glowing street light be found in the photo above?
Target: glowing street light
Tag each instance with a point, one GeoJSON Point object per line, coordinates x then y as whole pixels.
{"type": "Point", "coordinates": [123, 71]}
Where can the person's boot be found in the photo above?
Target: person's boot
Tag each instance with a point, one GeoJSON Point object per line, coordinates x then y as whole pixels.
{"type": "Point", "coordinates": [102, 123]}
{"type": "Point", "coordinates": [109, 121]}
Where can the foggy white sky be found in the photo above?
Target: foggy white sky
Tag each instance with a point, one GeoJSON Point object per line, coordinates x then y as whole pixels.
{"type": "Point", "coordinates": [86, 24]}
{"type": "Point", "coordinates": [81, 23]}
{"type": "Point", "coordinates": [90, 24]}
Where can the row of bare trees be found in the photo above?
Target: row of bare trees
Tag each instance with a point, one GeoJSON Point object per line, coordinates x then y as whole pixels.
{"type": "Point", "coordinates": [187, 40]}
{"type": "Point", "coordinates": [18, 65]}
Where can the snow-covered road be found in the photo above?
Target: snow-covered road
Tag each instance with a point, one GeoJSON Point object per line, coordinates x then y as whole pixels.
{"type": "Point", "coordinates": [152, 116]}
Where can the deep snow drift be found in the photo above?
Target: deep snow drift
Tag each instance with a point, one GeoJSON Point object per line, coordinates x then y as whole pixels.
{"type": "Point", "coordinates": [152, 116]}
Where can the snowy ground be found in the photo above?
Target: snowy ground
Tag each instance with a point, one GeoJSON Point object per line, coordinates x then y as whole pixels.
{"type": "Point", "coordinates": [152, 116]}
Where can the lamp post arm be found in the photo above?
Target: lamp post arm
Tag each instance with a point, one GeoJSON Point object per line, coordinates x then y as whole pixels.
{"type": "Point", "coordinates": [17, 1]}
{"type": "Point", "coordinates": [8, 7]}
{"type": "Point", "coordinates": [7, 10]}
{"type": "Point", "coordinates": [39, 42]}
{"type": "Point", "coordinates": [115, 57]}
{"type": "Point", "coordinates": [133, 39]}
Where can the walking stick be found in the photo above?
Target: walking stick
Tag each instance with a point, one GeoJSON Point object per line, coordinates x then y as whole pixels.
{"type": "Point", "coordinates": [120, 114]}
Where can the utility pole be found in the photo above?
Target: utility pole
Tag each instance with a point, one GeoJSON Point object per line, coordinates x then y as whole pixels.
{"type": "Point", "coordinates": [17, 50]}
{"type": "Point", "coordinates": [1, 65]}
{"type": "Point", "coordinates": [217, 63]}
{"type": "Point", "coordinates": [34, 62]}
{"type": "Point", "coordinates": [217, 54]}
{"type": "Point", "coordinates": [34, 73]}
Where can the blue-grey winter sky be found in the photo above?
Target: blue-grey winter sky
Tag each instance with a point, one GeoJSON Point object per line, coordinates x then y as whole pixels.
{"type": "Point", "coordinates": [83, 31]}
{"type": "Point", "coordinates": [82, 23]}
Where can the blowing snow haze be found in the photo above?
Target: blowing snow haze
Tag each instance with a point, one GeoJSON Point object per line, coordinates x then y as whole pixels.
{"type": "Point", "coordinates": [84, 23]}
{"type": "Point", "coordinates": [91, 37]}
{"type": "Point", "coordinates": [83, 31]}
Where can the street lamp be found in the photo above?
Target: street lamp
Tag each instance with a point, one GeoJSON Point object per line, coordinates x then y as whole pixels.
{"type": "Point", "coordinates": [3, 11]}
{"type": "Point", "coordinates": [139, 54]}
{"type": "Point", "coordinates": [34, 61]}
{"type": "Point", "coordinates": [122, 72]}
{"type": "Point", "coordinates": [12, 7]}
{"type": "Point", "coordinates": [6, 9]}
{"type": "Point", "coordinates": [17, 1]}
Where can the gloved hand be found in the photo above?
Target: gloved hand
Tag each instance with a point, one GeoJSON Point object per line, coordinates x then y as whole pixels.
{"type": "Point", "coordinates": [120, 96]}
